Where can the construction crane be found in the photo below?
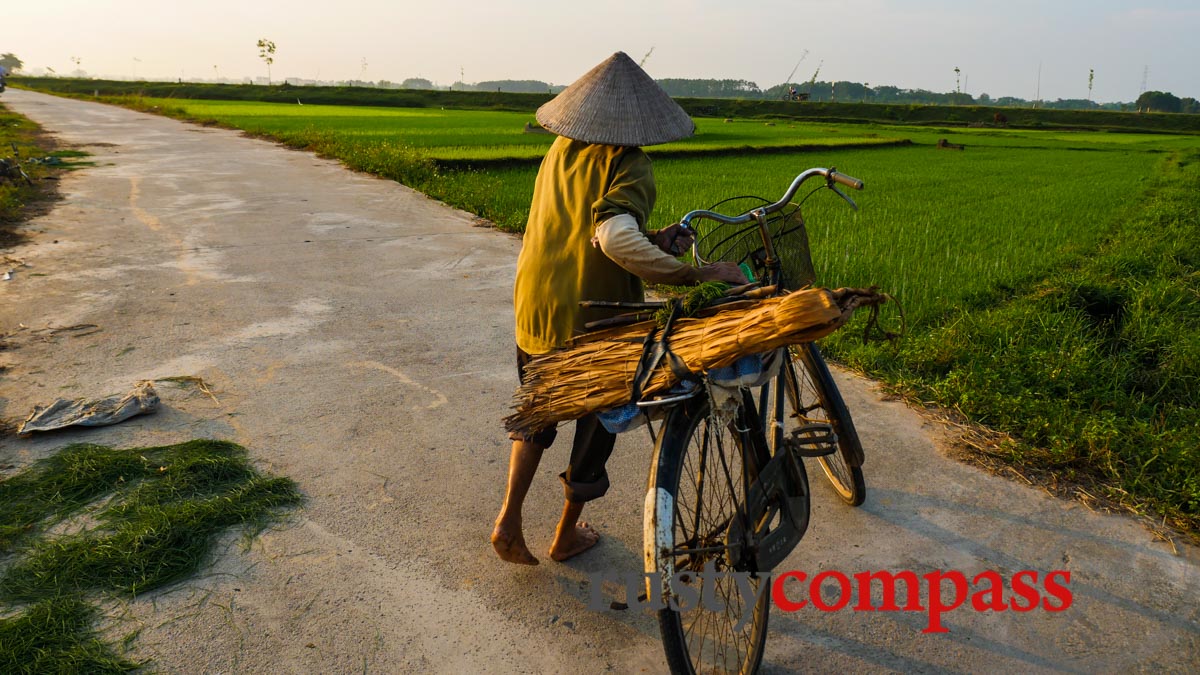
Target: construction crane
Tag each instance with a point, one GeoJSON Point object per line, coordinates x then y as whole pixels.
{"type": "Point", "coordinates": [816, 72]}
{"type": "Point", "coordinates": [792, 74]}
{"type": "Point", "coordinates": [642, 64]}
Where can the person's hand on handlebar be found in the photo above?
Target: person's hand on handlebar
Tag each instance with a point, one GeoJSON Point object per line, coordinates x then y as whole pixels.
{"type": "Point", "coordinates": [673, 239]}
{"type": "Point", "coordinates": [728, 272]}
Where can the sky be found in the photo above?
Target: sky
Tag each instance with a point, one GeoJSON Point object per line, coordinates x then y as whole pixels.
{"type": "Point", "coordinates": [1023, 48]}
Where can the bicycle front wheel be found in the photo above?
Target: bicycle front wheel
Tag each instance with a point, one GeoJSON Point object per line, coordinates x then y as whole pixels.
{"type": "Point", "coordinates": [699, 488]}
{"type": "Point", "coordinates": [815, 399]}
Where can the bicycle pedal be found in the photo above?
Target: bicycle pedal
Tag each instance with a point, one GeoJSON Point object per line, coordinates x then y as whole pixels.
{"type": "Point", "coordinates": [812, 440]}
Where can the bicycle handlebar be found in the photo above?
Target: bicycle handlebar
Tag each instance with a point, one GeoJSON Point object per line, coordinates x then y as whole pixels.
{"type": "Point", "coordinates": [849, 181]}
{"type": "Point", "coordinates": [831, 176]}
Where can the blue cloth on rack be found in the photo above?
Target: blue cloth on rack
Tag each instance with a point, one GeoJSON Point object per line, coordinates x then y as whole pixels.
{"type": "Point", "coordinates": [745, 372]}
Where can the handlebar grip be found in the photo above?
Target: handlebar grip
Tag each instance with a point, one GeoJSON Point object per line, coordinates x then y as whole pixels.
{"type": "Point", "coordinates": [848, 181]}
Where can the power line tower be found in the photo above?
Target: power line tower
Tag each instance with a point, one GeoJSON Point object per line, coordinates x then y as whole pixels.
{"type": "Point", "coordinates": [1037, 99]}
{"type": "Point", "coordinates": [1145, 79]}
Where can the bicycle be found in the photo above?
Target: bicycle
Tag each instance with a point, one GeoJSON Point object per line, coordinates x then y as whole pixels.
{"type": "Point", "coordinates": [817, 396]}
{"type": "Point", "coordinates": [728, 494]}
{"type": "Point", "coordinates": [11, 169]}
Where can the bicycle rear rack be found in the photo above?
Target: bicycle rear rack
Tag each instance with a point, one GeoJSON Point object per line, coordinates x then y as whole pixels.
{"type": "Point", "coordinates": [670, 397]}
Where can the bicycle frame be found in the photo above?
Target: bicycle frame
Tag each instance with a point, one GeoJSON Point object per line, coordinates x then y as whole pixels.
{"type": "Point", "coordinates": [757, 215]}
{"type": "Point", "coordinates": [772, 262]}
{"type": "Point", "coordinates": [762, 429]}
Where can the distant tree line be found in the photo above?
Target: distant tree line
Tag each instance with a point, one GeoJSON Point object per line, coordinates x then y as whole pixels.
{"type": "Point", "coordinates": [710, 88]}
{"type": "Point", "coordinates": [1161, 101]}
{"type": "Point", "coordinates": [827, 92]}
{"type": "Point", "coordinates": [856, 92]}
{"type": "Point", "coordinates": [818, 92]}
{"type": "Point", "coordinates": [509, 87]}
{"type": "Point", "coordinates": [841, 91]}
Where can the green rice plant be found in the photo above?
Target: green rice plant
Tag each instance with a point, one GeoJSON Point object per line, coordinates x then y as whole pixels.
{"type": "Point", "coordinates": [465, 135]}
{"type": "Point", "coordinates": [1093, 365]}
{"type": "Point", "coordinates": [94, 520]}
{"type": "Point", "coordinates": [60, 486]}
{"type": "Point", "coordinates": [168, 506]}
{"type": "Point", "coordinates": [57, 636]}
{"type": "Point", "coordinates": [935, 228]}
{"type": "Point", "coordinates": [489, 135]}
{"type": "Point", "coordinates": [909, 114]}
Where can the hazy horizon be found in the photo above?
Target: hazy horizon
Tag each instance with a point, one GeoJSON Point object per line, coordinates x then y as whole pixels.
{"type": "Point", "coordinates": [999, 47]}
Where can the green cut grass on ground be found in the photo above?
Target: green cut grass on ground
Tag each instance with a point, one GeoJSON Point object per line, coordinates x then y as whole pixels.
{"type": "Point", "coordinates": [58, 636]}
{"type": "Point", "coordinates": [92, 521]}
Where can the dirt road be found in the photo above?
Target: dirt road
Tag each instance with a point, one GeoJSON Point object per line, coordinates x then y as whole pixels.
{"type": "Point", "coordinates": [357, 337]}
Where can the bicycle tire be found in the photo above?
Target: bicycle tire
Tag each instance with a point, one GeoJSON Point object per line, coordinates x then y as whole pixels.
{"type": "Point", "coordinates": [815, 397]}
{"type": "Point", "coordinates": [685, 450]}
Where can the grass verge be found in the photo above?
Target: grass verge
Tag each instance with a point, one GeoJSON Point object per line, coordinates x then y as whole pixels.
{"type": "Point", "coordinates": [1094, 369]}
{"type": "Point", "coordinates": [15, 196]}
{"type": "Point", "coordinates": [95, 520]}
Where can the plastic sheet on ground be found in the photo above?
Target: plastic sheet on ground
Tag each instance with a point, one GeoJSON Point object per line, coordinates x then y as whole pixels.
{"type": "Point", "coordinates": [92, 413]}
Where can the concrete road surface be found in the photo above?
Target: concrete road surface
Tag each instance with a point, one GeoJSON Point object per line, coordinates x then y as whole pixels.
{"type": "Point", "coordinates": [357, 336]}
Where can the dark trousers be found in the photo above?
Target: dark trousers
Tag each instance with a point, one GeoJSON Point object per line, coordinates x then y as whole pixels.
{"type": "Point", "coordinates": [585, 478]}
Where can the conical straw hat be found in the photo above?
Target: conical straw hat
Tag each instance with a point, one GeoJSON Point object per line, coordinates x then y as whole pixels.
{"type": "Point", "coordinates": [616, 103]}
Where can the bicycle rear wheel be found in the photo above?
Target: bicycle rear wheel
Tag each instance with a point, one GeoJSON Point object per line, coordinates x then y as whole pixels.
{"type": "Point", "coordinates": [700, 486]}
{"type": "Point", "coordinates": [815, 399]}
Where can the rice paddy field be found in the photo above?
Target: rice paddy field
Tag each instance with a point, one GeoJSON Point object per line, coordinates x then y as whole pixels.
{"type": "Point", "coordinates": [479, 135]}
{"type": "Point", "coordinates": [1050, 279]}
{"type": "Point", "coordinates": [933, 226]}
{"type": "Point", "coordinates": [487, 135]}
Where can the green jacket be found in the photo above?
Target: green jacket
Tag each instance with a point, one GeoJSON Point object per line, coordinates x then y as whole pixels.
{"type": "Point", "coordinates": [578, 186]}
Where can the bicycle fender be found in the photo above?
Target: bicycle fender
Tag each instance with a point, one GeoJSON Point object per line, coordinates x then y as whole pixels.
{"type": "Point", "coordinates": [658, 513]}
{"type": "Point", "coordinates": [659, 564]}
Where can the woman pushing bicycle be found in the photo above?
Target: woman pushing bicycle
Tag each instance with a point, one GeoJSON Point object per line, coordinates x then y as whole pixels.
{"type": "Point", "coordinates": [585, 240]}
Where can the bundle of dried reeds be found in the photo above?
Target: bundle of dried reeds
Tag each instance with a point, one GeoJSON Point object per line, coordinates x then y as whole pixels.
{"type": "Point", "coordinates": [596, 371]}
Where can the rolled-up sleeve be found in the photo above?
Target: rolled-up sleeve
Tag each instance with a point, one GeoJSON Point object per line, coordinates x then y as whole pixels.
{"type": "Point", "coordinates": [619, 219]}
{"type": "Point", "coordinates": [623, 242]}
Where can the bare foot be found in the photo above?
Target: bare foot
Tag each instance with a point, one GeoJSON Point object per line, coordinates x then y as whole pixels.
{"type": "Point", "coordinates": [572, 542]}
{"type": "Point", "coordinates": [510, 546]}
